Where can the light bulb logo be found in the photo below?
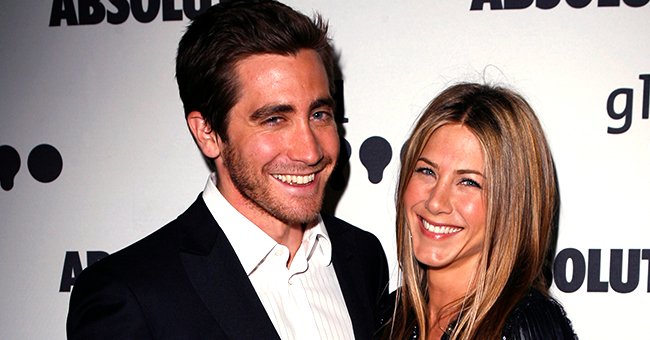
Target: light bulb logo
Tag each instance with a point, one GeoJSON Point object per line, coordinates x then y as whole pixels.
{"type": "Point", "coordinates": [375, 154]}
{"type": "Point", "coordinates": [10, 160]}
{"type": "Point", "coordinates": [44, 164]}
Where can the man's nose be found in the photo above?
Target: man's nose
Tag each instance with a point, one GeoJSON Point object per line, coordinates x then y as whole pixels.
{"type": "Point", "coordinates": [305, 146]}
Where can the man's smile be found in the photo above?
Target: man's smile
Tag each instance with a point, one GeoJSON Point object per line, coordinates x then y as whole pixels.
{"type": "Point", "coordinates": [295, 179]}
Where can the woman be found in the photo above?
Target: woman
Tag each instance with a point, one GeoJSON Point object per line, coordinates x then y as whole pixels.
{"type": "Point", "coordinates": [476, 203]}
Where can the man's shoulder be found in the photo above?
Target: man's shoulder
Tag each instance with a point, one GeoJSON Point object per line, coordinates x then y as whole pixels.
{"type": "Point", "coordinates": [137, 259]}
{"type": "Point", "coordinates": [337, 226]}
{"type": "Point", "coordinates": [154, 251]}
{"type": "Point", "coordinates": [344, 235]}
{"type": "Point", "coordinates": [340, 226]}
{"type": "Point", "coordinates": [144, 288]}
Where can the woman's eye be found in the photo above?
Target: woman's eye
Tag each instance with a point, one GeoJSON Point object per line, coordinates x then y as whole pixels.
{"type": "Point", "coordinates": [425, 171]}
{"type": "Point", "coordinates": [470, 182]}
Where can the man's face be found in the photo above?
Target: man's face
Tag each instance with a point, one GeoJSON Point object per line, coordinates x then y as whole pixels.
{"type": "Point", "coordinates": [282, 139]}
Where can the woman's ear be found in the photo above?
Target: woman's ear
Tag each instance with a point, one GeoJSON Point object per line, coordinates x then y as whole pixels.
{"type": "Point", "coordinates": [205, 137]}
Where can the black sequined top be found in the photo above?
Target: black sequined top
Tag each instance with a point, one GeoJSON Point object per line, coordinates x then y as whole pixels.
{"type": "Point", "coordinates": [536, 317]}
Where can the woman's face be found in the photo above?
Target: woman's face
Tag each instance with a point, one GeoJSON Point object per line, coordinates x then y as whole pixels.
{"type": "Point", "coordinates": [445, 201]}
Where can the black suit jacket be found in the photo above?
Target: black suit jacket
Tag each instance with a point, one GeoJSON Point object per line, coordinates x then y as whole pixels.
{"type": "Point", "coordinates": [185, 281]}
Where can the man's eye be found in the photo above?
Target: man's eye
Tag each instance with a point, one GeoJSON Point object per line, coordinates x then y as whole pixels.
{"type": "Point", "coordinates": [272, 120]}
{"type": "Point", "coordinates": [320, 115]}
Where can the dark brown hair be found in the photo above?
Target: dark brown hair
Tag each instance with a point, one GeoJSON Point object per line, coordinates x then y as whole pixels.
{"type": "Point", "coordinates": [229, 32]}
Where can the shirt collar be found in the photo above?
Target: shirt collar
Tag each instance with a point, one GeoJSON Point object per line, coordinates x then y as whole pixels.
{"type": "Point", "coordinates": [316, 243]}
{"type": "Point", "coordinates": [250, 243]}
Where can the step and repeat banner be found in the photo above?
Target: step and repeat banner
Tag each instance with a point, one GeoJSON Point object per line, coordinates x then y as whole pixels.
{"type": "Point", "coordinates": [95, 153]}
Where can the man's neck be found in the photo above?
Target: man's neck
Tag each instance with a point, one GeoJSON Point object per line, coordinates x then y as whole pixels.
{"type": "Point", "coordinates": [286, 234]}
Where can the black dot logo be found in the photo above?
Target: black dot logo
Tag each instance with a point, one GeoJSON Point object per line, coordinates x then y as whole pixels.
{"type": "Point", "coordinates": [44, 164]}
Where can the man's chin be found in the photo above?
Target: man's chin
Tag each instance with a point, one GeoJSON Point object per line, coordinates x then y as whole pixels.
{"type": "Point", "coordinates": [300, 219]}
{"type": "Point", "coordinates": [290, 210]}
{"type": "Point", "coordinates": [298, 215]}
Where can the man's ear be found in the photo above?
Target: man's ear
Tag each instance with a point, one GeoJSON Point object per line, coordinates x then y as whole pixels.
{"type": "Point", "coordinates": [205, 137]}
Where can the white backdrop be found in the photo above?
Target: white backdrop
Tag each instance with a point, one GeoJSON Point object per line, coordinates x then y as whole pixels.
{"type": "Point", "coordinates": [104, 98]}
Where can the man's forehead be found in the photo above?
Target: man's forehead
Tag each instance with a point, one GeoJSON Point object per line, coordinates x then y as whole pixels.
{"type": "Point", "coordinates": [270, 82]}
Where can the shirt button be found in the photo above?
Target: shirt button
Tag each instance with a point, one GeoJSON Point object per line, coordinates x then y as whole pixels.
{"type": "Point", "coordinates": [279, 251]}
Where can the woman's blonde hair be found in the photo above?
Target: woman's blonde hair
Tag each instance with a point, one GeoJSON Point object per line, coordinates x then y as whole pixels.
{"type": "Point", "coordinates": [522, 202]}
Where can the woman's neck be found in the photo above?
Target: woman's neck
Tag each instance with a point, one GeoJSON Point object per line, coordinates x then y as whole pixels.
{"type": "Point", "coordinates": [447, 286]}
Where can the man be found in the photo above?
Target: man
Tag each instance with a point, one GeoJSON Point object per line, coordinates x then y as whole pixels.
{"type": "Point", "coordinates": [252, 258]}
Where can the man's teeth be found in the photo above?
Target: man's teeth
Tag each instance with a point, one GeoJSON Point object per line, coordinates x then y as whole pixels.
{"type": "Point", "coordinates": [295, 179]}
{"type": "Point", "coordinates": [440, 229]}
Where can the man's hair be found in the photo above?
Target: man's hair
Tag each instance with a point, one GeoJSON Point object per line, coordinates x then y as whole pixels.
{"type": "Point", "coordinates": [225, 34]}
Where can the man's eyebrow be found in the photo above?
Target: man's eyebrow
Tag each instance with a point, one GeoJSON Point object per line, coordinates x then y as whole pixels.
{"type": "Point", "coordinates": [269, 110]}
{"type": "Point", "coordinates": [322, 102]}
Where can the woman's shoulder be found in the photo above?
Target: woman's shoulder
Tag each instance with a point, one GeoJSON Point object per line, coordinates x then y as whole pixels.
{"type": "Point", "coordinates": [538, 316]}
{"type": "Point", "coordinates": [388, 309]}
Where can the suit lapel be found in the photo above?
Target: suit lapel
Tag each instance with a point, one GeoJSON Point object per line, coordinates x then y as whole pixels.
{"type": "Point", "coordinates": [219, 279]}
{"type": "Point", "coordinates": [347, 272]}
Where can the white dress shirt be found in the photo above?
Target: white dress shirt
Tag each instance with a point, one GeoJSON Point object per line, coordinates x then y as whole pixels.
{"type": "Point", "coordinates": [303, 301]}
